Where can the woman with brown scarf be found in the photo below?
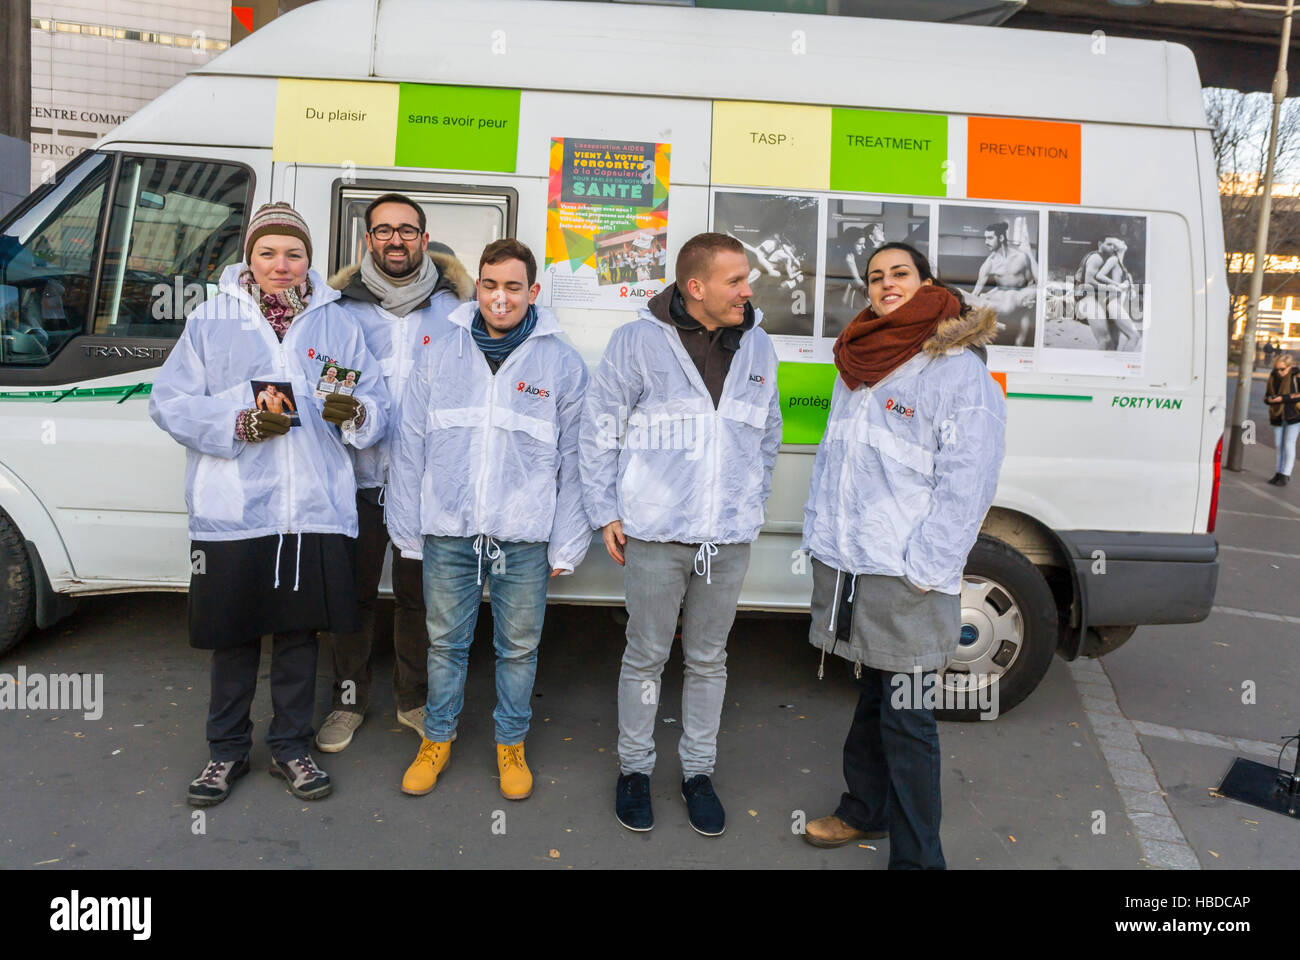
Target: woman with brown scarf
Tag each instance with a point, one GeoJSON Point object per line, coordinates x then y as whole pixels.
{"type": "Point", "coordinates": [904, 475]}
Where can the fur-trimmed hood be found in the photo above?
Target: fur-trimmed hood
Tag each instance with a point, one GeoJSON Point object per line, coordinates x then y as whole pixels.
{"type": "Point", "coordinates": [976, 328]}
{"type": "Point", "coordinates": [452, 276]}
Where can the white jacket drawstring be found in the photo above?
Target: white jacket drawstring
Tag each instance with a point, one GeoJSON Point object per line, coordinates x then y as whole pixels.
{"type": "Point", "coordinates": [480, 549]}
{"type": "Point", "coordinates": [297, 566]}
{"type": "Point", "coordinates": [704, 560]}
{"type": "Point", "coordinates": [835, 610]}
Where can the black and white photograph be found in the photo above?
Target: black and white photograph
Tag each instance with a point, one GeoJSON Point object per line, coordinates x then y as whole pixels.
{"type": "Point", "coordinates": [779, 234]}
{"type": "Point", "coordinates": [1096, 282]}
{"type": "Point", "coordinates": [854, 229]}
{"type": "Point", "coordinates": [989, 255]}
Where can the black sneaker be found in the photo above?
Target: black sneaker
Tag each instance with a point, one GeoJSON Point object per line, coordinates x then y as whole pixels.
{"type": "Point", "coordinates": [632, 802]}
{"type": "Point", "coordinates": [1275, 480]}
{"type": "Point", "coordinates": [1282, 479]}
{"type": "Point", "coordinates": [703, 808]}
{"type": "Point", "coordinates": [213, 784]}
{"type": "Point", "coordinates": [306, 780]}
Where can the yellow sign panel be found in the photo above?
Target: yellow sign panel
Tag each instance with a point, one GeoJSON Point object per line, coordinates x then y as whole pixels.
{"type": "Point", "coordinates": [336, 121]}
{"type": "Point", "coordinates": [771, 145]}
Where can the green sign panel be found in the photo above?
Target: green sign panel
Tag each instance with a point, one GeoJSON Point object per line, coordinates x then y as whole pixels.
{"type": "Point", "coordinates": [457, 128]}
{"type": "Point", "coordinates": [876, 151]}
{"type": "Point", "coordinates": [805, 391]}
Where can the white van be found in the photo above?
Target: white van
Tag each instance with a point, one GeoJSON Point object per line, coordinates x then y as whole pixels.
{"type": "Point", "coordinates": [1039, 171]}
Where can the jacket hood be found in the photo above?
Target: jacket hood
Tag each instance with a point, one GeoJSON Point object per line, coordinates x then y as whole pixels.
{"type": "Point", "coordinates": [463, 317]}
{"type": "Point", "coordinates": [659, 307]}
{"type": "Point", "coordinates": [975, 328]}
{"type": "Point", "coordinates": [322, 292]}
{"type": "Point", "coordinates": [452, 276]}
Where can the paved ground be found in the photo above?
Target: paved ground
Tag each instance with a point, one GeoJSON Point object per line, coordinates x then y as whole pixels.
{"type": "Point", "coordinates": [1140, 737]}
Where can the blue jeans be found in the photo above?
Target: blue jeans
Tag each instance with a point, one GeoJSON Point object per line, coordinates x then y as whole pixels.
{"type": "Point", "coordinates": [891, 767]}
{"type": "Point", "coordinates": [516, 574]}
{"type": "Point", "coordinates": [1284, 437]}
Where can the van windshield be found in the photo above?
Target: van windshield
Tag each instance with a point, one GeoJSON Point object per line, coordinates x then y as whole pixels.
{"type": "Point", "coordinates": [47, 259]}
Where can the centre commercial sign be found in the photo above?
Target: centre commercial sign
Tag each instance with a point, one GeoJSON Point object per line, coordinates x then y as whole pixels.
{"type": "Point", "coordinates": [753, 144]}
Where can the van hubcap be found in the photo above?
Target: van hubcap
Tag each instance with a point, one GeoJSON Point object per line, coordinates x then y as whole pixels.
{"type": "Point", "coordinates": [992, 634]}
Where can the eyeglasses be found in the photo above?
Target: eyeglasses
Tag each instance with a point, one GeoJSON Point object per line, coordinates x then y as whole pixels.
{"type": "Point", "coordinates": [385, 232]}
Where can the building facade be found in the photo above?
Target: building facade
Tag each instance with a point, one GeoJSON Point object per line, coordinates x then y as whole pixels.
{"type": "Point", "coordinates": [96, 62]}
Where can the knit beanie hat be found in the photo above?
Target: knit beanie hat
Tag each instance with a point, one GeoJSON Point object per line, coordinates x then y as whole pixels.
{"type": "Point", "coordinates": [278, 219]}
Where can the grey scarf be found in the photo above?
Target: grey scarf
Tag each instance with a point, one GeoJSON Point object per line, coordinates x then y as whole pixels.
{"type": "Point", "coordinates": [399, 300]}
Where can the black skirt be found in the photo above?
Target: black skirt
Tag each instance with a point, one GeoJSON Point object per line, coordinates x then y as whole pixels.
{"type": "Point", "coordinates": [234, 598]}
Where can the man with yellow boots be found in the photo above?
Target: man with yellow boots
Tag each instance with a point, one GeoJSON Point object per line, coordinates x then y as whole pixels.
{"type": "Point", "coordinates": [484, 487]}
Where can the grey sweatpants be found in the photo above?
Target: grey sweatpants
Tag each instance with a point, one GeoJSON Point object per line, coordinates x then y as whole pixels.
{"type": "Point", "coordinates": [659, 577]}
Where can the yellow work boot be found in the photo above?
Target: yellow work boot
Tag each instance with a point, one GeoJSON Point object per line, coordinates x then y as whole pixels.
{"type": "Point", "coordinates": [429, 762]}
{"type": "Point", "coordinates": [516, 778]}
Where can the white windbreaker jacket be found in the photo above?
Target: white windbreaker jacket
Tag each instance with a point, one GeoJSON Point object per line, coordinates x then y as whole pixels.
{"type": "Point", "coordinates": [396, 342]}
{"type": "Point", "coordinates": [657, 455]}
{"type": "Point", "coordinates": [492, 455]}
{"type": "Point", "coordinates": [301, 482]}
{"type": "Point", "coordinates": [907, 469]}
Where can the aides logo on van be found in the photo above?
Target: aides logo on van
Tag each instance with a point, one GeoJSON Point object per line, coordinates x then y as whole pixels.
{"type": "Point", "coordinates": [538, 392]}
{"type": "Point", "coordinates": [894, 407]}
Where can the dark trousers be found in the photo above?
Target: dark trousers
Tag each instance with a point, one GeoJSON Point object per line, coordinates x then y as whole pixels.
{"type": "Point", "coordinates": [891, 767]}
{"type": "Point", "coordinates": [350, 652]}
{"type": "Point", "coordinates": [293, 697]}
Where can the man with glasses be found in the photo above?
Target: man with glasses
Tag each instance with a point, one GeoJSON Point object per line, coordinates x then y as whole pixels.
{"type": "Point", "coordinates": [401, 292]}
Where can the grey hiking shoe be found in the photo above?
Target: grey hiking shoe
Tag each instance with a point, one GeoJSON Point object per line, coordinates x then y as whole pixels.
{"type": "Point", "coordinates": [306, 780]}
{"type": "Point", "coordinates": [337, 730]}
{"type": "Point", "coordinates": [413, 718]}
{"type": "Point", "coordinates": [213, 784]}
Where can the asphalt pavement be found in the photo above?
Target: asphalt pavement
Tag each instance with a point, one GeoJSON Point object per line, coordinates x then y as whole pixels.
{"type": "Point", "coordinates": [1110, 764]}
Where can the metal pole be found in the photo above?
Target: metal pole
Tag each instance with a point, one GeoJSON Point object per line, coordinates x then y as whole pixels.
{"type": "Point", "coordinates": [1246, 366]}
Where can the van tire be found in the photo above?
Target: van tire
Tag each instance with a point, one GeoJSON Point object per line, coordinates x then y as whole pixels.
{"type": "Point", "coordinates": [1005, 599]}
{"type": "Point", "coordinates": [17, 587]}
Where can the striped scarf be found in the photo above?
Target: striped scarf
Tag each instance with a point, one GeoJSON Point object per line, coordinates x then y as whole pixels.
{"type": "Point", "coordinates": [278, 308]}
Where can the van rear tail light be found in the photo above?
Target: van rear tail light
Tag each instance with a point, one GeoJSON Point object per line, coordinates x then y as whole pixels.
{"type": "Point", "coordinates": [1214, 497]}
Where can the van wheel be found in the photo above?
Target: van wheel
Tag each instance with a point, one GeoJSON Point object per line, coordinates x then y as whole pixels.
{"type": "Point", "coordinates": [17, 591]}
{"type": "Point", "coordinates": [1008, 631]}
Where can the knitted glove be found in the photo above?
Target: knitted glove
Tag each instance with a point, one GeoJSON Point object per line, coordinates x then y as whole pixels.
{"type": "Point", "coordinates": [339, 409]}
{"type": "Point", "coordinates": [254, 426]}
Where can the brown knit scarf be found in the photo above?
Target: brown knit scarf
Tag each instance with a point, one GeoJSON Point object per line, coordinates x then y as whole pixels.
{"type": "Point", "coordinates": [871, 347]}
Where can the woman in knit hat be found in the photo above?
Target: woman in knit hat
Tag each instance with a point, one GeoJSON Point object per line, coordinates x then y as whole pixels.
{"type": "Point", "coordinates": [272, 517]}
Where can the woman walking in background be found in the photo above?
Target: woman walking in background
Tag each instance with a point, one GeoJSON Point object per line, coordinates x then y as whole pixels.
{"type": "Point", "coordinates": [1282, 394]}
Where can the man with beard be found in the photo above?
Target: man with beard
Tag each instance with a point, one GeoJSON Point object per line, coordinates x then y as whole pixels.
{"type": "Point", "coordinates": [402, 293]}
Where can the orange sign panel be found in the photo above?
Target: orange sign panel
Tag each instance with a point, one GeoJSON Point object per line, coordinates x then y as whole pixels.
{"type": "Point", "coordinates": [1034, 160]}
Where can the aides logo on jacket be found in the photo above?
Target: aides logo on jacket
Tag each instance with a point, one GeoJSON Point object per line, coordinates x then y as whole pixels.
{"type": "Point", "coordinates": [893, 406]}
{"type": "Point", "coordinates": [757, 378]}
{"type": "Point", "coordinates": [538, 392]}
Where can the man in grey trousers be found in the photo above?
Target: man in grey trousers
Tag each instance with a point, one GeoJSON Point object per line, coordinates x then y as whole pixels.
{"type": "Point", "coordinates": [680, 430]}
